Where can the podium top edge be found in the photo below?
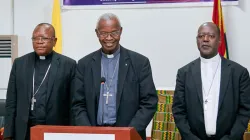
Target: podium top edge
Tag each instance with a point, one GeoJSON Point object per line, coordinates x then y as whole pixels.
{"type": "Point", "coordinates": [80, 127]}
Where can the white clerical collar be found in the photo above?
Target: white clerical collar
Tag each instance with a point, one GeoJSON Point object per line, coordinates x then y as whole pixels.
{"type": "Point", "coordinates": [112, 55]}
{"type": "Point", "coordinates": [216, 58]}
{"type": "Point", "coordinates": [42, 57]}
{"type": "Point", "coordinates": [46, 57]}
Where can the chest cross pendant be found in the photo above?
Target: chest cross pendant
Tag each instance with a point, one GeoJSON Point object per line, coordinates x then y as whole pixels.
{"type": "Point", "coordinates": [107, 97]}
{"type": "Point", "coordinates": [33, 101]}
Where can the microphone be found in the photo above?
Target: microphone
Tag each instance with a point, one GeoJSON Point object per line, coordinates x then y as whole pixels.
{"type": "Point", "coordinates": [103, 80]}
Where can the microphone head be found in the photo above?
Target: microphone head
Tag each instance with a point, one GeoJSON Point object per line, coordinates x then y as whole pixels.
{"type": "Point", "coordinates": [103, 80]}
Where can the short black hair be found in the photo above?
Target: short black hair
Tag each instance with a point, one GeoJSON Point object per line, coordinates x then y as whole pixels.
{"type": "Point", "coordinates": [50, 26]}
{"type": "Point", "coordinates": [211, 23]}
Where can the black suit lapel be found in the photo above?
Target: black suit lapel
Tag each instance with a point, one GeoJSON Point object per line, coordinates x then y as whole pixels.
{"type": "Point", "coordinates": [123, 69]}
{"type": "Point", "coordinates": [225, 74]}
{"type": "Point", "coordinates": [55, 63]}
{"type": "Point", "coordinates": [96, 73]}
{"type": "Point", "coordinates": [196, 73]}
{"type": "Point", "coordinates": [29, 77]}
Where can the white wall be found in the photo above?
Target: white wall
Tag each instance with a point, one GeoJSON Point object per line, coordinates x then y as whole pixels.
{"type": "Point", "coordinates": [6, 28]}
{"type": "Point", "coordinates": [27, 14]}
{"type": "Point", "coordinates": [237, 23]}
{"type": "Point", "coordinates": [6, 18]}
{"type": "Point", "coordinates": [4, 76]}
{"type": "Point", "coordinates": [165, 35]}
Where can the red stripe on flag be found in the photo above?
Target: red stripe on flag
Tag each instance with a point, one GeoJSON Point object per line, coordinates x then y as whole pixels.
{"type": "Point", "coordinates": [218, 20]}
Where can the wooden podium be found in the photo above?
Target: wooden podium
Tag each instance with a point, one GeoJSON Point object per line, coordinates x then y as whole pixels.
{"type": "Point", "coordinates": [47, 132]}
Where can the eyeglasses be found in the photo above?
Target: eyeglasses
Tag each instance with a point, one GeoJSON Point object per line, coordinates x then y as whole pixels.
{"type": "Point", "coordinates": [106, 34]}
{"type": "Point", "coordinates": [43, 39]}
{"type": "Point", "coordinates": [203, 36]}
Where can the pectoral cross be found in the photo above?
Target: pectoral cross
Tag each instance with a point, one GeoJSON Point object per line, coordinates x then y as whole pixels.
{"type": "Point", "coordinates": [33, 100]}
{"type": "Point", "coordinates": [206, 101]}
{"type": "Point", "coordinates": [205, 105]}
{"type": "Point", "coordinates": [107, 97]}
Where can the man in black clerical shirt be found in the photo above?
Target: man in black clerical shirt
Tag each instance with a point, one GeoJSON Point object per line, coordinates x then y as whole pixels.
{"type": "Point", "coordinates": [40, 87]}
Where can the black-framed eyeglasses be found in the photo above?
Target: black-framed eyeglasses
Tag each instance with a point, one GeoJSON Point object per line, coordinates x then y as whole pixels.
{"type": "Point", "coordinates": [106, 34]}
{"type": "Point", "coordinates": [43, 39]}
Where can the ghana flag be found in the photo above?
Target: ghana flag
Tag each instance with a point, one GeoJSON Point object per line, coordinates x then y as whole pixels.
{"type": "Point", "coordinates": [219, 21]}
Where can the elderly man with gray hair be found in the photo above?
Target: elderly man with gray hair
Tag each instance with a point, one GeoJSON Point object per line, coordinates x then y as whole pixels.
{"type": "Point", "coordinates": [114, 85]}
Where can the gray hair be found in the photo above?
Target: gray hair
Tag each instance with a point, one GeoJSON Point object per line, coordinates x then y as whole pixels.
{"type": "Point", "coordinates": [108, 16]}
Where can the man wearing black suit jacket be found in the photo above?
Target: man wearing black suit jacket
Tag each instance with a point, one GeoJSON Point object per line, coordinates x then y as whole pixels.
{"type": "Point", "coordinates": [114, 86]}
{"type": "Point", "coordinates": [212, 94]}
{"type": "Point", "coordinates": [40, 87]}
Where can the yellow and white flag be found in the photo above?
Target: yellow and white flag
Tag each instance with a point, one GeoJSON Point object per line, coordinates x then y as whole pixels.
{"type": "Point", "coordinates": [56, 22]}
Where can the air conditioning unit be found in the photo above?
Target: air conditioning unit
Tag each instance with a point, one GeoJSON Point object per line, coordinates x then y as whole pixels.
{"type": "Point", "coordinates": [8, 52]}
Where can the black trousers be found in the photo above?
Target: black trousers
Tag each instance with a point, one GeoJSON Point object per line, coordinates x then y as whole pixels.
{"type": "Point", "coordinates": [27, 137]}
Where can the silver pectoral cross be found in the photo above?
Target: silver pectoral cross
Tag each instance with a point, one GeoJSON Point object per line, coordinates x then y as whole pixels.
{"type": "Point", "coordinates": [33, 100]}
{"type": "Point", "coordinates": [107, 97]}
{"type": "Point", "coordinates": [206, 101]}
{"type": "Point", "coordinates": [205, 105]}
